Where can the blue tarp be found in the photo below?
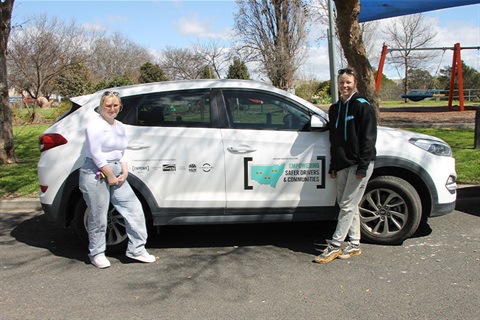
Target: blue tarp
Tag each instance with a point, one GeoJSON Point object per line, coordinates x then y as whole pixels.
{"type": "Point", "coordinates": [380, 9]}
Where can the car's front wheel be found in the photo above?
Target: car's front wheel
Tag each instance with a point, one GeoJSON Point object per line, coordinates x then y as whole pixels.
{"type": "Point", "coordinates": [116, 235]}
{"type": "Point", "coordinates": [390, 210]}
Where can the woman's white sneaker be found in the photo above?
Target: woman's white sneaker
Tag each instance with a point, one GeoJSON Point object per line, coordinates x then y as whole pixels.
{"type": "Point", "coordinates": [100, 262]}
{"type": "Point", "coordinates": [144, 257]}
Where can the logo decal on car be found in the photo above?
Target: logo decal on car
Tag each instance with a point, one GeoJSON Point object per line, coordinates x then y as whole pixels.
{"type": "Point", "coordinates": [169, 167]}
{"type": "Point", "coordinates": [207, 167]}
{"type": "Point", "coordinates": [270, 174]}
{"type": "Point", "coordinates": [140, 168]}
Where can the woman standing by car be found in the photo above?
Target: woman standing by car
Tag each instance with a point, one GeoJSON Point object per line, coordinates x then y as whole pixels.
{"type": "Point", "coordinates": [353, 134]}
{"type": "Point", "coordinates": [103, 180]}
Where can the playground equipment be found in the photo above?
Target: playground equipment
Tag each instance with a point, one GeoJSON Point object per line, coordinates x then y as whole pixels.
{"type": "Point", "coordinates": [456, 68]}
{"type": "Point", "coordinates": [419, 95]}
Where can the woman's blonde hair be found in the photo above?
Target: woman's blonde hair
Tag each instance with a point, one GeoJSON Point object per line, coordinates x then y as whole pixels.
{"type": "Point", "coordinates": [110, 94]}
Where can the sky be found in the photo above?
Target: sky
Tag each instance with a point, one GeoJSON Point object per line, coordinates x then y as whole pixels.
{"type": "Point", "coordinates": [156, 25]}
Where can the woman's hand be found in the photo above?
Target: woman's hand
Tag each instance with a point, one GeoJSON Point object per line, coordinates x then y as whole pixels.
{"type": "Point", "coordinates": [122, 178]}
{"type": "Point", "coordinates": [112, 180]}
{"type": "Point", "coordinates": [115, 180]}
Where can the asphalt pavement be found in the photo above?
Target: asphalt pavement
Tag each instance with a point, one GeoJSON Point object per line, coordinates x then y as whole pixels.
{"type": "Point", "coordinates": [257, 271]}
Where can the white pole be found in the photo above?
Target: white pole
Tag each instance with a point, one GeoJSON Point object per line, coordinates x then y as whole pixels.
{"type": "Point", "coordinates": [332, 53]}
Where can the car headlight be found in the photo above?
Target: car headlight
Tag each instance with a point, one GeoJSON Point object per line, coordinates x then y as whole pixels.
{"type": "Point", "coordinates": [433, 146]}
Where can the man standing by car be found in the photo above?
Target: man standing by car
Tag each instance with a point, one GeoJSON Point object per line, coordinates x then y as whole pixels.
{"type": "Point", "coordinates": [353, 134]}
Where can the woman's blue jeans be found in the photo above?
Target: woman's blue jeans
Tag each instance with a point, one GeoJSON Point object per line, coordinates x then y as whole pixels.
{"type": "Point", "coordinates": [98, 195]}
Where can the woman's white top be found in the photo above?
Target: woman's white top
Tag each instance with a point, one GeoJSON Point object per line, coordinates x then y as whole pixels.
{"type": "Point", "coordinates": [105, 142]}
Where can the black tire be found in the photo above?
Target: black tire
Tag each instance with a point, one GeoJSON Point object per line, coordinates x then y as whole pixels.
{"type": "Point", "coordinates": [116, 234]}
{"type": "Point", "coordinates": [390, 210]}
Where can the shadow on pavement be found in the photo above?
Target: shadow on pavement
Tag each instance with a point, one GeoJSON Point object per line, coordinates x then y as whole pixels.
{"type": "Point", "coordinates": [299, 236]}
{"type": "Point", "coordinates": [39, 231]}
{"type": "Point", "coordinates": [34, 229]}
{"type": "Point", "coordinates": [468, 200]}
{"type": "Point", "coordinates": [423, 230]}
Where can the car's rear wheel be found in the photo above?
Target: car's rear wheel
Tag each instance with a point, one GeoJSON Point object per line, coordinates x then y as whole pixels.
{"type": "Point", "coordinates": [116, 235]}
{"type": "Point", "coordinates": [390, 210]}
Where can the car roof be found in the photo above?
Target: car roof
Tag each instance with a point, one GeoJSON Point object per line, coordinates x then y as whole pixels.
{"type": "Point", "coordinates": [184, 85]}
{"type": "Point", "coordinates": [192, 84]}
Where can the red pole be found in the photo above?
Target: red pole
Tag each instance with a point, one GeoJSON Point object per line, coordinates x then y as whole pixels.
{"type": "Point", "coordinates": [460, 78]}
{"type": "Point", "coordinates": [378, 79]}
{"type": "Point", "coordinates": [452, 77]}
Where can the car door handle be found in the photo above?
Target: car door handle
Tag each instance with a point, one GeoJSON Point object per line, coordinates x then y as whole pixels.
{"type": "Point", "coordinates": [241, 149]}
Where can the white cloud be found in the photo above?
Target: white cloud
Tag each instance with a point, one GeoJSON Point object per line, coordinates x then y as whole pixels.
{"type": "Point", "coordinates": [316, 65]}
{"type": "Point", "coordinates": [193, 26]}
{"type": "Point", "coordinates": [468, 35]}
{"type": "Point", "coordinates": [116, 19]}
{"type": "Point", "coordinates": [94, 27]}
{"type": "Point", "coordinates": [103, 25]}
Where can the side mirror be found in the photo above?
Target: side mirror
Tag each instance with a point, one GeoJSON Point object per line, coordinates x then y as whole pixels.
{"type": "Point", "coordinates": [318, 123]}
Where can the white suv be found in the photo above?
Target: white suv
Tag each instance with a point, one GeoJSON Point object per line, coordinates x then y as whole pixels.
{"type": "Point", "coordinates": [230, 151]}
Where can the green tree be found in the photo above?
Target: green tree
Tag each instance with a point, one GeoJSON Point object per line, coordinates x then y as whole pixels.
{"type": "Point", "coordinates": [307, 89]}
{"type": "Point", "coordinates": [150, 72]}
{"type": "Point", "coordinates": [323, 93]}
{"type": "Point", "coordinates": [390, 90]}
{"type": "Point", "coordinates": [45, 48]}
{"type": "Point", "coordinates": [420, 79]}
{"type": "Point", "coordinates": [115, 82]}
{"type": "Point", "coordinates": [206, 73]}
{"type": "Point", "coordinates": [238, 70]}
{"type": "Point", "coordinates": [74, 81]}
{"type": "Point", "coordinates": [471, 77]}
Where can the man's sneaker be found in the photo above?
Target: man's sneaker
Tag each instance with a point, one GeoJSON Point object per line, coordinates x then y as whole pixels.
{"type": "Point", "coordinates": [144, 257]}
{"type": "Point", "coordinates": [330, 253]}
{"type": "Point", "coordinates": [350, 251]}
{"type": "Point", "coordinates": [100, 262]}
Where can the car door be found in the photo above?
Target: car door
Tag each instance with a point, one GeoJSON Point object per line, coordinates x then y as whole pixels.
{"type": "Point", "coordinates": [272, 158]}
{"type": "Point", "coordinates": [176, 150]}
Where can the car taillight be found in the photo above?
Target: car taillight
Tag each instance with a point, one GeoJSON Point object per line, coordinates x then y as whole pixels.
{"type": "Point", "coordinates": [50, 140]}
{"type": "Point", "coordinates": [43, 188]}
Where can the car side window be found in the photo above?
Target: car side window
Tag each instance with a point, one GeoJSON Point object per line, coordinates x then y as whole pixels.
{"type": "Point", "coordinates": [263, 111]}
{"type": "Point", "coordinates": [175, 109]}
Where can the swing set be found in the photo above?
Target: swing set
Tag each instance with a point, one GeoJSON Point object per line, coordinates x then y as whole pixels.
{"type": "Point", "coordinates": [418, 95]}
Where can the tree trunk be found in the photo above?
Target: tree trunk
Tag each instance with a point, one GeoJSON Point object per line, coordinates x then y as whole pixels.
{"type": "Point", "coordinates": [7, 150]}
{"type": "Point", "coordinates": [405, 79]}
{"type": "Point", "coordinates": [350, 36]}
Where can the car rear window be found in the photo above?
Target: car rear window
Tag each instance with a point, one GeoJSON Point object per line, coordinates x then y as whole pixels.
{"type": "Point", "coordinates": [174, 109]}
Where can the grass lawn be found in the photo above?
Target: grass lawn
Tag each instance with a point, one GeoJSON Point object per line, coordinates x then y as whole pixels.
{"type": "Point", "coordinates": [427, 103]}
{"type": "Point", "coordinates": [20, 179]}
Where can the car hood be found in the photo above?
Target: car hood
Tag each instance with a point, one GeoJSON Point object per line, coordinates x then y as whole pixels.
{"type": "Point", "coordinates": [405, 134]}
